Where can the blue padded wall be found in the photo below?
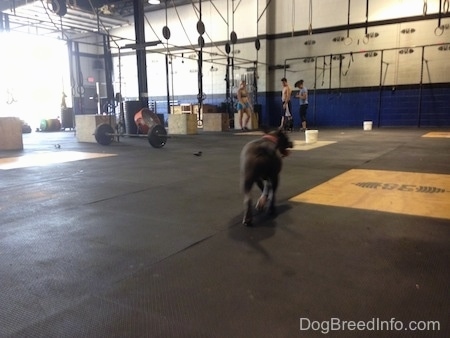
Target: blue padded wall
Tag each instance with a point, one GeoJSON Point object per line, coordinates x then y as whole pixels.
{"type": "Point", "coordinates": [385, 106]}
{"type": "Point", "coordinates": [402, 106]}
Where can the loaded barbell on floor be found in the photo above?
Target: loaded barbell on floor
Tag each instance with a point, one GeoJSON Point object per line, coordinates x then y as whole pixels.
{"type": "Point", "coordinates": [157, 135]}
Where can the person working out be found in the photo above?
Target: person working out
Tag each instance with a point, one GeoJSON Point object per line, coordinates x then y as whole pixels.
{"type": "Point", "coordinates": [243, 105]}
{"type": "Point", "coordinates": [286, 118]}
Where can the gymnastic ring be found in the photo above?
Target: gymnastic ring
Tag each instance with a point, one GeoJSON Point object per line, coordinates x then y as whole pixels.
{"type": "Point", "coordinates": [366, 39]}
{"type": "Point", "coordinates": [348, 41]}
{"type": "Point", "coordinates": [445, 6]}
{"type": "Point", "coordinates": [436, 29]}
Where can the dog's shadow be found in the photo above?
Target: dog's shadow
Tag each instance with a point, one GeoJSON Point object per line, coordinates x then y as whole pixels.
{"type": "Point", "coordinates": [264, 226]}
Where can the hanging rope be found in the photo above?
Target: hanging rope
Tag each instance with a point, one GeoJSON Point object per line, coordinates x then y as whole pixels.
{"type": "Point", "coordinates": [323, 71]}
{"type": "Point", "coordinates": [196, 10]}
{"type": "Point", "coordinates": [181, 22]}
{"type": "Point", "coordinates": [367, 17]}
{"type": "Point", "coordinates": [439, 27]}
{"type": "Point", "coordinates": [348, 40]}
{"type": "Point", "coordinates": [293, 17]}
{"type": "Point", "coordinates": [349, 64]}
{"type": "Point", "coordinates": [310, 17]}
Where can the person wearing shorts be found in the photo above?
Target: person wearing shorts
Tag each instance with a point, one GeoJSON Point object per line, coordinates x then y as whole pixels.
{"type": "Point", "coordinates": [286, 108]}
{"type": "Point", "coordinates": [243, 106]}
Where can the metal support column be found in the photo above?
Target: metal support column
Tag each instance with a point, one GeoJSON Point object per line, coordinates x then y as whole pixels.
{"type": "Point", "coordinates": [139, 28]}
{"type": "Point", "coordinates": [108, 74]}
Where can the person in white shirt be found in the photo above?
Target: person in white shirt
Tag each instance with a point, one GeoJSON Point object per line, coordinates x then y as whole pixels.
{"type": "Point", "coordinates": [303, 98]}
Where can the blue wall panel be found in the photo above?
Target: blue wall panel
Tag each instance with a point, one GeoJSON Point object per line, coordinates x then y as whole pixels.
{"type": "Point", "coordinates": [350, 107]}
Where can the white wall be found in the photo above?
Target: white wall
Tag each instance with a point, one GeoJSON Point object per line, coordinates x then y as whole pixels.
{"type": "Point", "coordinates": [291, 17]}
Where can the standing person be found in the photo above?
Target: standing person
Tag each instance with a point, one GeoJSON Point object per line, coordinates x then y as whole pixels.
{"type": "Point", "coordinates": [303, 98]}
{"type": "Point", "coordinates": [243, 105]}
{"type": "Point", "coordinates": [286, 92]}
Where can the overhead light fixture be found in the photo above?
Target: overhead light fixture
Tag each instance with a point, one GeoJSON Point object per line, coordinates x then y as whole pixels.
{"type": "Point", "coordinates": [154, 2]}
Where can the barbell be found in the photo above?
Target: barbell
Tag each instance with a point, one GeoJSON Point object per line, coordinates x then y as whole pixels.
{"type": "Point", "coordinates": [157, 135]}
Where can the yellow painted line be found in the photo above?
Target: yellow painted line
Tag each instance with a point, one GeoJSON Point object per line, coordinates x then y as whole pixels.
{"type": "Point", "coordinates": [47, 158]}
{"type": "Point", "coordinates": [249, 133]}
{"type": "Point", "coordinates": [407, 193]}
{"type": "Point", "coordinates": [441, 134]}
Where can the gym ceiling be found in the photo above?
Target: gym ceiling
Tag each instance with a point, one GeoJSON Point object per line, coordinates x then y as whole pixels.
{"type": "Point", "coordinates": [73, 17]}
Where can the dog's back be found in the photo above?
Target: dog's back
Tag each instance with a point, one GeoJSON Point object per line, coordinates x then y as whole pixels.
{"type": "Point", "coordinates": [260, 159]}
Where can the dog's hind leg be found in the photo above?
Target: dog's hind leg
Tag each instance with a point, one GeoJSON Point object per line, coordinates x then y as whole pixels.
{"type": "Point", "coordinates": [266, 189]}
{"type": "Point", "coordinates": [248, 214]}
{"type": "Point", "coordinates": [273, 190]}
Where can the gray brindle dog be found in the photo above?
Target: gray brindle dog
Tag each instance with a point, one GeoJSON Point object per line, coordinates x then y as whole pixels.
{"type": "Point", "coordinates": [261, 163]}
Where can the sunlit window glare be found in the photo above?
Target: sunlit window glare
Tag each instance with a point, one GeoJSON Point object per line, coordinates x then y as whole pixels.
{"type": "Point", "coordinates": [34, 72]}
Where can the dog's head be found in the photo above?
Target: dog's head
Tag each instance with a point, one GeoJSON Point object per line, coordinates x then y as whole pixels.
{"type": "Point", "coordinates": [282, 140]}
{"type": "Point", "coordinates": [284, 143]}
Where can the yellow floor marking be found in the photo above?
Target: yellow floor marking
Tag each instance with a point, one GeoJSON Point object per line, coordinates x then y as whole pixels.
{"type": "Point", "coordinates": [390, 191]}
{"type": "Point", "coordinates": [246, 133]}
{"type": "Point", "coordinates": [302, 145]}
{"type": "Point", "coordinates": [47, 158]}
{"type": "Point", "coordinates": [442, 134]}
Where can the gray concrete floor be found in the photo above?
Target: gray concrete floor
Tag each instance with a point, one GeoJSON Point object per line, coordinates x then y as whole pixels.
{"type": "Point", "coordinates": [149, 243]}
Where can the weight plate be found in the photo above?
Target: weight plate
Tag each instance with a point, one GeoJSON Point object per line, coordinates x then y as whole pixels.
{"type": "Point", "coordinates": [257, 44]}
{"type": "Point", "coordinates": [233, 37]}
{"type": "Point", "coordinates": [102, 134]}
{"type": "Point", "coordinates": [157, 136]}
{"type": "Point", "coordinates": [201, 41]}
{"type": "Point", "coordinates": [227, 48]}
{"type": "Point", "coordinates": [200, 27]}
{"type": "Point", "coordinates": [166, 32]}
